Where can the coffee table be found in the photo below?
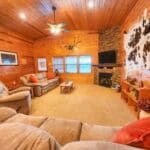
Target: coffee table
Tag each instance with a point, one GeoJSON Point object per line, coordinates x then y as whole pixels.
{"type": "Point", "coordinates": [66, 87]}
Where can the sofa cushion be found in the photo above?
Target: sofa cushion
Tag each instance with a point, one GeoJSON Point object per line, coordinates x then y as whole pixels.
{"type": "Point", "coordinates": [96, 132]}
{"type": "Point", "coordinates": [31, 120]}
{"type": "Point", "coordinates": [6, 113]}
{"type": "Point", "coordinates": [136, 133]}
{"type": "Point", "coordinates": [3, 90]}
{"type": "Point", "coordinates": [33, 79]}
{"type": "Point", "coordinates": [40, 76]}
{"type": "Point", "coordinates": [25, 137]}
{"type": "Point", "coordinates": [44, 74]}
{"type": "Point", "coordinates": [96, 145]}
{"type": "Point", "coordinates": [63, 130]}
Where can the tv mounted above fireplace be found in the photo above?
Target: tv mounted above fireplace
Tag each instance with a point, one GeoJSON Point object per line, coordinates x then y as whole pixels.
{"type": "Point", "coordinates": [107, 57]}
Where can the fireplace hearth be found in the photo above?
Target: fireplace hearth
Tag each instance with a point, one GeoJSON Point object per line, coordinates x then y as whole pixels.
{"type": "Point", "coordinates": [105, 79]}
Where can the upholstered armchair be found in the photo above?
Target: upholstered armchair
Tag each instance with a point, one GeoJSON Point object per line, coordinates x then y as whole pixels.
{"type": "Point", "coordinates": [19, 99]}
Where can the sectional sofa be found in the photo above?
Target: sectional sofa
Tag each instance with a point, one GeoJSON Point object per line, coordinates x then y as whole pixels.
{"type": "Point", "coordinates": [45, 133]}
{"type": "Point", "coordinates": [44, 84]}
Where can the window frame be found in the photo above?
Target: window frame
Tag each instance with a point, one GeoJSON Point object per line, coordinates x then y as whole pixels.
{"type": "Point", "coordinates": [84, 64]}
{"type": "Point", "coordinates": [71, 64]}
{"type": "Point", "coordinates": [78, 64]}
{"type": "Point", "coordinates": [58, 64]}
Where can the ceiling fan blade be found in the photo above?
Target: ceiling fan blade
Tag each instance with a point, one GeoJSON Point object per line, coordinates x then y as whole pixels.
{"type": "Point", "coordinates": [65, 30]}
{"type": "Point", "coordinates": [61, 25]}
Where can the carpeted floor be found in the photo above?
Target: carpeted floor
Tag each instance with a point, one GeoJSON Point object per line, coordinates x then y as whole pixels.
{"type": "Point", "coordinates": [87, 103]}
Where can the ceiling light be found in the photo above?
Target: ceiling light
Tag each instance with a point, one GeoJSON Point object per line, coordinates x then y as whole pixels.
{"type": "Point", "coordinates": [22, 16]}
{"type": "Point", "coordinates": [90, 4]}
{"type": "Point", "coordinates": [55, 29]}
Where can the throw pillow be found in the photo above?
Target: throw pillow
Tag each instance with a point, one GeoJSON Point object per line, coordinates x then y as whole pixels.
{"type": "Point", "coordinates": [135, 134]}
{"type": "Point", "coordinates": [50, 75]}
{"type": "Point", "coordinates": [33, 79]}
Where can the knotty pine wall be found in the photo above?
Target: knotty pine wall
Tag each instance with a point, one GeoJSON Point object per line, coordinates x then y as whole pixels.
{"type": "Point", "coordinates": [9, 41]}
{"type": "Point", "coordinates": [54, 46]}
{"type": "Point", "coordinates": [134, 16]}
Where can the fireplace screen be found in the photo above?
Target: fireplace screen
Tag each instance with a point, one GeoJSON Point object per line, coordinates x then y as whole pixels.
{"type": "Point", "coordinates": [105, 79]}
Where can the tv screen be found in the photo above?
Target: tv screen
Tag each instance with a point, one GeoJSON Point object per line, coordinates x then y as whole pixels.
{"type": "Point", "coordinates": [107, 57]}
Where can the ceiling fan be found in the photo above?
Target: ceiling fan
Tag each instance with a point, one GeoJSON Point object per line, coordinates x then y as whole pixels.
{"type": "Point", "coordinates": [56, 28]}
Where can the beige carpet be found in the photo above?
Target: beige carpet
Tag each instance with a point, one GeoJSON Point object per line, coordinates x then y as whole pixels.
{"type": "Point", "coordinates": [88, 103]}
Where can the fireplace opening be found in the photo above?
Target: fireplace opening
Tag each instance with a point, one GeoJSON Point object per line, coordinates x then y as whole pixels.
{"type": "Point", "coordinates": [105, 79]}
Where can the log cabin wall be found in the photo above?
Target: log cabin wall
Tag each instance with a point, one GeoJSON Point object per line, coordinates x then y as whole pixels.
{"type": "Point", "coordinates": [54, 46]}
{"type": "Point", "coordinates": [11, 42]}
{"type": "Point", "coordinates": [134, 16]}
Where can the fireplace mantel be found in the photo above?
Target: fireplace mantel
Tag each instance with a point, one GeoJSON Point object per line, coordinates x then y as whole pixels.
{"type": "Point", "coordinates": [107, 65]}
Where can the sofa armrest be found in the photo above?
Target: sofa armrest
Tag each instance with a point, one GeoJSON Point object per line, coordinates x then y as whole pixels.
{"type": "Point", "coordinates": [20, 89]}
{"type": "Point", "coordinates": [15, 97]}
{"type": "Point", "coordinates": [97, 132]}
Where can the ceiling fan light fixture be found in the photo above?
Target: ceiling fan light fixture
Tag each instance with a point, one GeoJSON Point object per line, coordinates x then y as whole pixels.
{"type": "Point", "coordinates": [55, 29]}
{"type": "Point", "coordinates": [90, 4]}
{"type": "Point", "coordinates": [22, 16]}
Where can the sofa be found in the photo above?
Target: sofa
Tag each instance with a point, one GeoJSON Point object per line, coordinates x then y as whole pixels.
{"type": "Point", "coordinates": [43, 85]}
{"type": "Point", "coordinates": [53, 133]}
{"type": "Point", "coordinates": [19, 99]}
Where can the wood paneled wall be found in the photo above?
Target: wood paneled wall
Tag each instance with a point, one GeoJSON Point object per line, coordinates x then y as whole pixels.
{"type": "Point", "coordinates": [135, 15]}
{"type": "Point", "coordinates": [49, 47]}
{"type": "Point", "coordinates": [9, 41]}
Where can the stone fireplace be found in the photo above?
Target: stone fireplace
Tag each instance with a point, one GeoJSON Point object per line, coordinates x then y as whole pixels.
{"type": "Point", "coordinates": [109, 40]}
{"type": "Point", "coordinates": [113, 73]}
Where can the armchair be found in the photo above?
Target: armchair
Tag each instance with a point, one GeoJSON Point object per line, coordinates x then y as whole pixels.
{"type": "Point", "coordinates": [19, 99]}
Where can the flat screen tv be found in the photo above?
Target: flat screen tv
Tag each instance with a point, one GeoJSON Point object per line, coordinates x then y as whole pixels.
{"type": "Point", "coordinates": [108, 57]}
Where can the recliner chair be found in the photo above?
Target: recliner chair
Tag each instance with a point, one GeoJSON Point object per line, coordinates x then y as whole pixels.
{"type": "Point", "coordinates": [19, 99]}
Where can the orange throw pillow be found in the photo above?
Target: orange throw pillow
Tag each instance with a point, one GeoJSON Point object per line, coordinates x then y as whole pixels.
{"type": "Point", "coordinates": [33, 79]}
{"type": "Point", "coordinates": [50, 75]}
{"type": "Point", "coordinates": [135, 134]}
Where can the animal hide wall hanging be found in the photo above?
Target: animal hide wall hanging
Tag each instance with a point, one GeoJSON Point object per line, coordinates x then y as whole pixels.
{"type": "Point", "coordinates": [137, 46]}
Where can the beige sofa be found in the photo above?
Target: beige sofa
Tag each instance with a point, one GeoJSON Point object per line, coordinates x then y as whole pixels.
{"type": "Point", "coordinates": [70, 134]}
{"type": "Point", "coordinates": [19, 99]}
{"type": "Point", "coordinates": [43, 86]}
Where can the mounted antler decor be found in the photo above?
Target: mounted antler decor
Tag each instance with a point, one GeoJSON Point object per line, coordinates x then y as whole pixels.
{"type": "Point", "coordinates": [73, 45]}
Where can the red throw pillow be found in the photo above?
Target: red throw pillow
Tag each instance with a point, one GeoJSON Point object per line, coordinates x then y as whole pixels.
{"type": "Point", "coordinates": [135, 134]}
{"type": "Point", "coordinates": [33, 79]}
{"type": "Point", "coordinates": [50, 75]}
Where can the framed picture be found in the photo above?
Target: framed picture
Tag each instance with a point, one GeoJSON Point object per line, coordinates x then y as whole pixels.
{"type": "Point", "coordinates": [8, 58]}
{"type": "Point", "coordinates": [42, 64]}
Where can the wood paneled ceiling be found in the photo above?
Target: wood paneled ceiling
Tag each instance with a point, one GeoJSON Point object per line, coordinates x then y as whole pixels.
{"type": "Point", "coordinates": [105, 14]}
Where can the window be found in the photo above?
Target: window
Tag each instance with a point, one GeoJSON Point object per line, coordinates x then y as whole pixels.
{"type": "Point", "coordinates": [85, 64]}
{"type": "Point", "coordinates": [58, 64]}
{"type": "Point", "coordinates": [71, 64]}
